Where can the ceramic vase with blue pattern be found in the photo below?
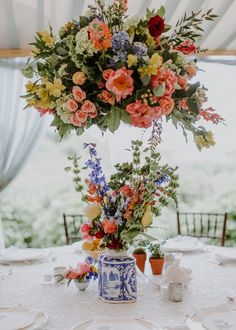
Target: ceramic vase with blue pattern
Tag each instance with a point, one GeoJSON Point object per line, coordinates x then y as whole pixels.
{"type": "Point", "coordinates": [117, 281]}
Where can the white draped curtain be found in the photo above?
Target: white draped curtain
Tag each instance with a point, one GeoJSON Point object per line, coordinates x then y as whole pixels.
{"type": "Point", "coordinates": [19, 130]}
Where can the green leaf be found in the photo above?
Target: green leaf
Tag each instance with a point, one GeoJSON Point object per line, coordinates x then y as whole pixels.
{"type": "Point", "coordinates": [113, 119]}
{"type": "Point", "coordinates": [161, 11]}
{"type": "Point", "coordinates": [125, 117]}
{"type": "Point", "coordinates": [193, 106]}
{"type": "Point", "coordinates": [146, 80]}
{"type": "Point", "coordinates": [56, 121]}
{"type": "Point", "coordinates": [67, 169]}
{"type": "Point", "coordinates": [83, 21]}
{"type": "Point", "coordinates": [159, 90]}
{"type": "Point", "coordinates": [27, 71]}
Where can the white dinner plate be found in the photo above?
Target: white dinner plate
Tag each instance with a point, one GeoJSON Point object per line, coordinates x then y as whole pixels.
{"type": "Point", "coordinates": [19, 317]}
{"type": "Point", "coordinates": [19, 255]}
{"type": "Point", "coordinates": [116, 323]}
{"type": "Point", "coordinates": [182, 244]}
{"type": "Point", "coordinates": [226, 253]}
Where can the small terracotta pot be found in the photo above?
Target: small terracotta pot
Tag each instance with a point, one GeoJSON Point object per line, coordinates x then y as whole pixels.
{"type": "Point", "coordinates": [140, 260]}
{"type": "Point", "coordinates": [157, 265]}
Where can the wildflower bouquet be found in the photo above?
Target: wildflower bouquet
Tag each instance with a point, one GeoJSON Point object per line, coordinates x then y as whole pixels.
{"type": "Point", "coordinates": [106, 68]}
{"type": "Point", "coordinates": [122, 208]}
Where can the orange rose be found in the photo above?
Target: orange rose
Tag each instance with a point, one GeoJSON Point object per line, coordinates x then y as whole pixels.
{"type": "Point", "coordinates": [107, 97]}
{"type": "Point", "coordinates": [121, 83]}
{"type": "Point", "coordinates": [79, 78]}
{"type": "Point", "coordinates": [78, 93]}
{"type": "Point", "coordinates": [167, 105]}
{"type": "Point", "coordinates": [109, 226]}
{"type": "Point", "coordinates": [182, 82]}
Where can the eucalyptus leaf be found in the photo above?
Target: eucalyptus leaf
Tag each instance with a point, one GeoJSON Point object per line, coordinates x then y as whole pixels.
{"type": "Point", "coordinates": [159, 90]}
{"type": "Point", "coordinates": [113, 119]}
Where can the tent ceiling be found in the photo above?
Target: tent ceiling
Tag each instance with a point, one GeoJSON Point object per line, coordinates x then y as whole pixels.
{"type": "Point", "coordinates": [20, 19]}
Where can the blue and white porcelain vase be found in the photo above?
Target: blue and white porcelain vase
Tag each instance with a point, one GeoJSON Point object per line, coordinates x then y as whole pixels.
{"type": "Point", "coordinates": [117, 281]}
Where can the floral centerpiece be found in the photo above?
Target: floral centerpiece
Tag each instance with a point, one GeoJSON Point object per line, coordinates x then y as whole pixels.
{"type": "Point", "coordinates": [106, 68]}
{"type": "Point", "coordinates": [120, 209]}
{"type": "Point", "coordinates": [81, 274]}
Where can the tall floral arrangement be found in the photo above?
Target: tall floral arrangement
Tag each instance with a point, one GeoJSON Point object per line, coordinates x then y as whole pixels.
{"type": "Point", "coordinates": [120, 209]}
{"type": "Point", "coordinates": [106, 68]}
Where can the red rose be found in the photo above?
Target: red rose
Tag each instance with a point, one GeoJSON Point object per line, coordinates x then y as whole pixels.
{"type": "Point", "coordinates": [156, 26]}
{"type": "Point", "coordinates": [99, 234]}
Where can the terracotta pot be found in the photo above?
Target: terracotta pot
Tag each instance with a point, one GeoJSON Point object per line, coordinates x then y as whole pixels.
{"type": "Point", "coordinates": [140, 260]}
{"type": "Point", "coordinates": [157, 265]}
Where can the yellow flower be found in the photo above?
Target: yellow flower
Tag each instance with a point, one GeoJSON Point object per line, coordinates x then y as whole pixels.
{"type": "Point", "coordinates": [147, 217]}
{"type": "Point", "coordinates": [35, 51]}
{"type": "Point", "coordinates": [132, 60]}
{"type": "Point", "coordinates": [87, 246]}
{"type": "Point", "coordinates": [92, 211]}
{"type": "Point", "coordinates": [42, 93]}
{"type": "Point", "coordinates": [150, 39]}
{"type": "Point", "coordinates": [156, 60]}
{"type": "Point", "coordinates": [54, 88]}
{"type": "Point", "coordinates": [31, 102]}
{"type": "Point", "coordinates": [31, 87]}
{"type": "Point", "coordinates": [47, 38]}
{"type": "Point", "coordinates": [205, 141]}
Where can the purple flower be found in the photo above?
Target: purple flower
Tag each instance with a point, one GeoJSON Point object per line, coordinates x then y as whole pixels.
{"type": "Point", "coordinates": [120, 41]}
{"type": "Point", "coordinates": [139, 49]}
{"type": "Point", "coordinates": [161, 180]}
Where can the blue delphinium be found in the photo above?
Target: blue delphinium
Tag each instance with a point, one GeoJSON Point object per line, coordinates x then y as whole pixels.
{"type": "Point", "coordinates": [161, 180]}
{"type": "Point", "coordinates": [96, 175]}
{"type": "Point", "coordinates": [139, 49]}
{"type": "Point", "coordinates": [120, 41]}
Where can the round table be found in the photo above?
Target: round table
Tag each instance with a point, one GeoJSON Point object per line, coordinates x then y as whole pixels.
{"type": "Point", "coordinates": [65, 306]}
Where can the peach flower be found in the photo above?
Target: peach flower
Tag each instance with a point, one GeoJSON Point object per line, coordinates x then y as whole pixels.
{"type": "Point", "coordinates": [107, 97]}
{"type": "Point", "coordinates": [83, 268]}
{"type": "Point", "coordinates": [71, 105]}
{"type": "Point", "coordinates": [43, 111]}
{"type": "Point", "coordinates": [191, 70]}
{"type": "Point", "coordinates": [99, 34]}
{"type": "Point", "coordinates": [78, 93]}
{"type": "Point", "coordinates": [109, 226]}
{"type": "Point", "coordinates": [81, 116]}
{"type": "Point", "coordinates": [183, 104]}
{"type": "Point", "coordinates": [142, 121]}
{"type": "Point", "coordinates": [93, 114]}
{"type": "Point", "coordinates": [167, 105]}
{"type": "Point", "coordinates": [92, 211]}
{"type": "Point", "coordinates": [72, 273]}
{"type": "Point", "coordinates": [137, 108]}
{"type": "Point", "coordinates": [75, 121]}
{"type": "Point", "coordinates": [182, 82]}
{"type": "Point", "coordinates": [121, 83]}
{"type": "Point", "coordinates": [88, 107]}
{"type": "Point", "coordinates": [79, 78]}
{"type": "Point", "coordinates": [166, 76]}
{"type": "Point", "coordinates": [154, 112]}
{"type": "Point", "coordinates": [107, 73]}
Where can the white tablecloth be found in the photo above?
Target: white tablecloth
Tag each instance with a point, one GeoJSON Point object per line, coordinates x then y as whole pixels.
{"type": "Point", "coordinates": [211, 284]}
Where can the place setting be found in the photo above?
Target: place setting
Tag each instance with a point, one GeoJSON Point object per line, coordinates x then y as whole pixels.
{"type": "Point", "coordinates": [20, 255]}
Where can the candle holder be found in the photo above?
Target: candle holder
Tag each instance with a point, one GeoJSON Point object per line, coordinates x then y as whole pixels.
{"type": "Point", "coordinates": [176, 291]}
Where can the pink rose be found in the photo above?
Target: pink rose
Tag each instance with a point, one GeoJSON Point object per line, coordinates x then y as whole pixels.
{"type": "Point", "coordinates": [88, 107]}
{"type": "Point", "coordinates": [167, 105]}
{"type": "Point", "coordinates": [78, 93]}
{"type": "Point", "coordinates": [83, 268]}
{"type": "Point", "coordinates": [93, 114]}
{"type": "Point", "coordinates": [137, 108]}
{"type": "Point", "coordinates": [79, 78]}
{"type": "Point", "coordinates": [154, 112]}
{"type": "Point", "coordinates": [165, 76]}
{"type": "Point", "coordinates": [107, 97]}
{"type": "Point", "coordinates": [75, 121]}
{"type": "Point", "coordinates": [81, 116]}
{"type": "Point", "coordinates": [142, 121]}
{"type": "Point", "coordinates": [84, 230]}
{"type": "Point", "coordinates": [72, 273]}
{"type": "Point", "coordinates": [43, 111]}
{"type": "Point", "coordinates": [71, 105]}
{"type": "Point", "coordinates": [120, 83]}
{"type": "Point", "coordinates": [107, 73]}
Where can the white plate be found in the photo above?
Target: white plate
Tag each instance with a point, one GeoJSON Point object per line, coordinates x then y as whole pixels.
{"type": "Point", "coordinates": [19, 317]}
{"type": "Point", "coordinates": [19, 255]}
{"type": "Point", "coordinates": [227, 253]}
{"type": "Point", "coordinates": [116, 323]}
{"type": "Point", "coordinates": [182, 244]}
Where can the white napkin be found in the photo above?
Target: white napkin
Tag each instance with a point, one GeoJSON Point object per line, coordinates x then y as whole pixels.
{"type": "Point", "coordinates": [176, 273]}
{"type": "Point", "coordinates": [217, 317]}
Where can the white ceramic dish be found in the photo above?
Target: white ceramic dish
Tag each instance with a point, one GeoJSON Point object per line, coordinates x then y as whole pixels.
{"type": "Point", "coordinates": [22, 255]}
{"type": "Point", "coordinates": [226, 253]}
{"type": "Point", "coordinates": [19, 317]}
{"type": "Point", "coordinates": [182, 245]}
{"type": "Point", "coordinates": [115, 323]}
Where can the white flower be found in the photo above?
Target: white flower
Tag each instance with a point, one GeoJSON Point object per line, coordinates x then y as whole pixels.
{"type": "Point", "coordinates": [83, 44]}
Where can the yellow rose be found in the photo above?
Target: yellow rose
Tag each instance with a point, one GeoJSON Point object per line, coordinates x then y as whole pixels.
{"type": "Point", "coordinates": [87, 246]}
{"type": "Point", "coordinates": [79, 78]}
{"type": "Point", "coordinates": [147, 217]}
{"type": "Point", "coordinates": [92, 211]}
{"type": "Point", "coordinates": [132, 60]}
{"type": "Point", "coordinates": [156, 60]}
